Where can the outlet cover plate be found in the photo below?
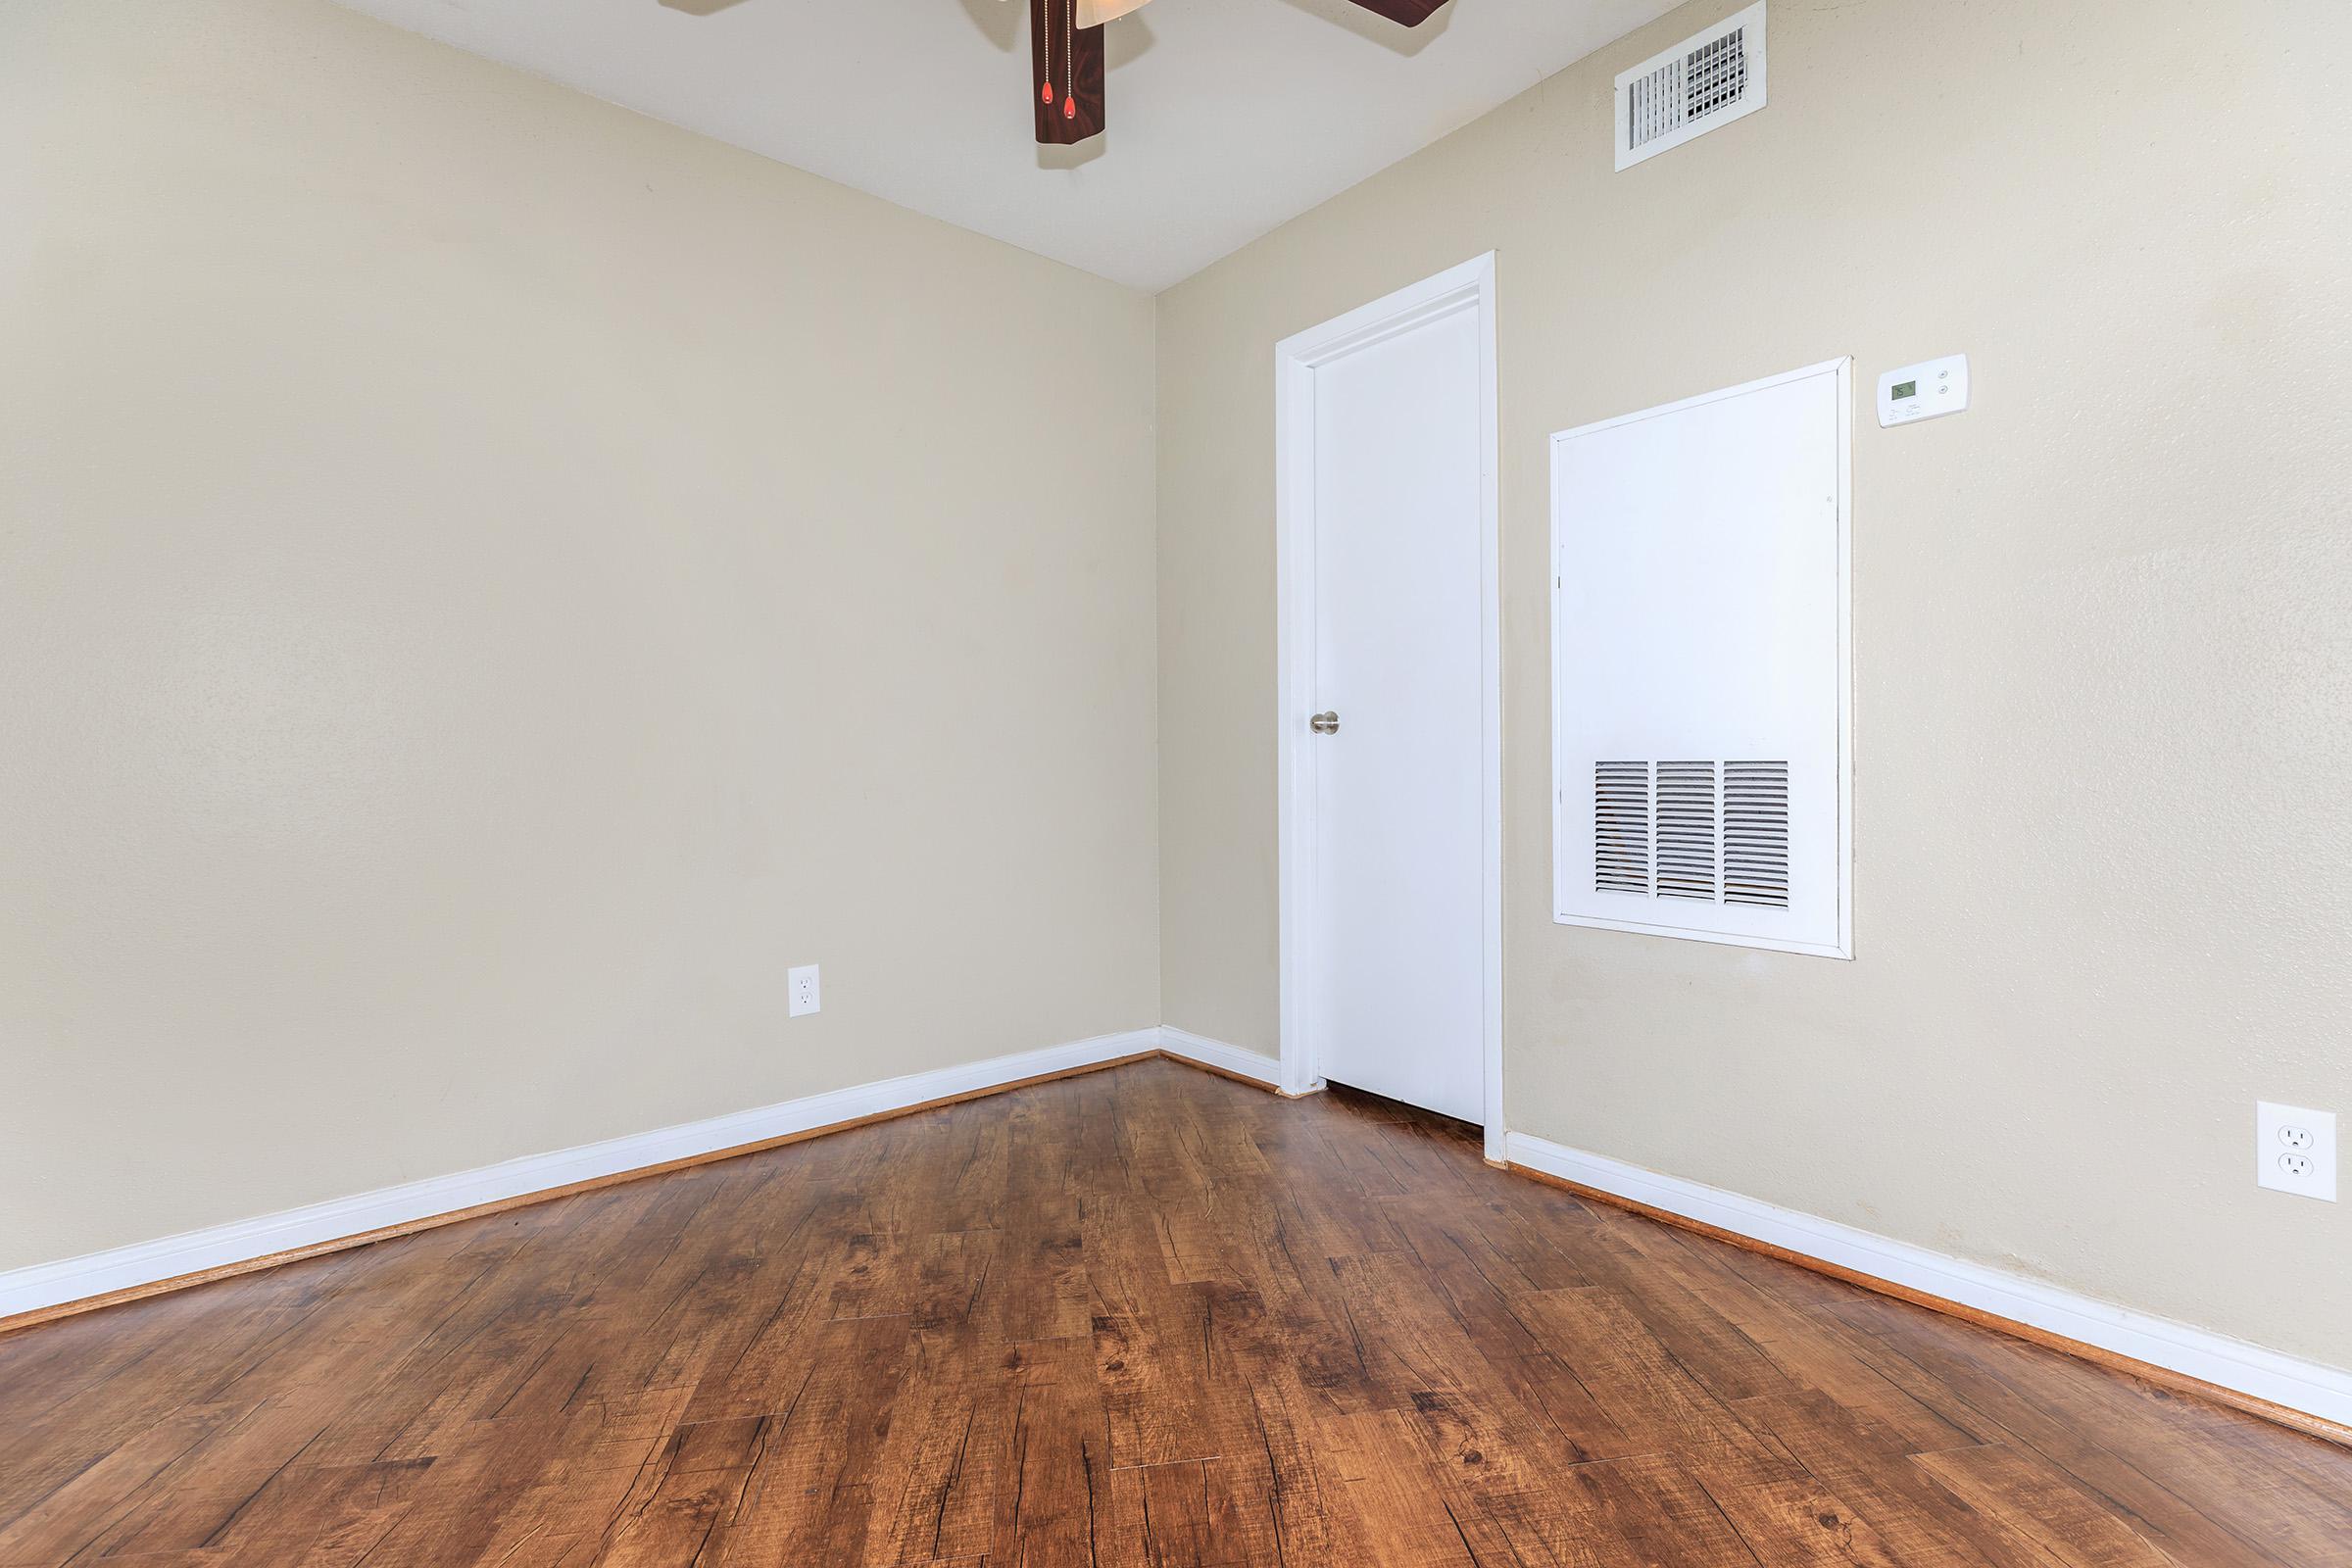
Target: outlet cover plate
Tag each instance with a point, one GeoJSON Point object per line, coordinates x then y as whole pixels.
{"type": "Point", "coordinates": [801, 984]}
{"type": "Point", "coordinates": [2284, 1133]}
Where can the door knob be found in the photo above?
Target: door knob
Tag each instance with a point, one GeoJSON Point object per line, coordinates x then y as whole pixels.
{"type": "Point", "coordinates": [1325, 724]}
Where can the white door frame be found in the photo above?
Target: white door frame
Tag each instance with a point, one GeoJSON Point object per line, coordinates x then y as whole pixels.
{"type": "Point", "coordinates": [1467, 287]}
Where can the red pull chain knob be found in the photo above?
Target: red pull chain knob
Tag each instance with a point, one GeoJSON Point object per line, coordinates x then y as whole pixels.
{"type": "Point", "coordinates": [1069, 109]}
{"type": "Point", "coordinates": [1045, 94]}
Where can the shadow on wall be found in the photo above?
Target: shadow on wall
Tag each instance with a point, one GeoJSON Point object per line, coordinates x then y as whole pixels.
{"type": "Point", "coordinates": [999, 22]}
{"type": "Point", "coordinates": [1076, 156]}
{"type": "Point", "coordinates": [1365, 24]}
{"type": "Point", "coordinates": [1129, 38]}
{"type": "Point", "coordinates": [999, 19]}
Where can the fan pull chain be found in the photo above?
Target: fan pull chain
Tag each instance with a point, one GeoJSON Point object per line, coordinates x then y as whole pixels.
{"type": "Point", "coordinates": [1069, 62]}
{"type": "Point", "coordinates": [1045, 94]}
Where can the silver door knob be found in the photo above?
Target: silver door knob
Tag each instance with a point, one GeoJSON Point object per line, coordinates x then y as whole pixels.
{"type": "Point", "coordinates": [1324, 723]}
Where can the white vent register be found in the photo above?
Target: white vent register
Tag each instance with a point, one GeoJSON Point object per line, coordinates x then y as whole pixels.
{"type": "Point", "coordinates": [1699, 85]}
{"type": "Point", "coordinates": [1700, 687]}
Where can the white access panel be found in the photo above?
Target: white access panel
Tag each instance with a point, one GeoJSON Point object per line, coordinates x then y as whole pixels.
{"type": "Point", "coordinates": [1702, 694]}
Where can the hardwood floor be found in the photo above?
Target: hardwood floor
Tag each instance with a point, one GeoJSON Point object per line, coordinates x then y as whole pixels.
{"type": "Point", "coordinates": [1143, 1317]}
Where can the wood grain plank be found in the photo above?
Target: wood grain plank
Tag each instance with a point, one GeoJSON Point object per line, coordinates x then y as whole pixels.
{"type": "Point", "coordinates": [1141, 1316]}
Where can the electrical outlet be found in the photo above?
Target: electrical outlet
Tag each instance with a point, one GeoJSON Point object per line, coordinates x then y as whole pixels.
{"type": "Point", "coordinates": [803, 984]}
{"type": "Point", "coordinates": [2294, 1151]}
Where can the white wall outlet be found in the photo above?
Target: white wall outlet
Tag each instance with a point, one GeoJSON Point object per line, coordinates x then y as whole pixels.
{"type": "Point", "coordinates": [2294, 1151]}
{"type": "Point", "coordinates": [803, 982]}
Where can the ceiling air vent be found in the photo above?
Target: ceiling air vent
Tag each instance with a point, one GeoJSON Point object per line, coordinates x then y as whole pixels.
{"type": "Point", "coordinates": [1699, 85]}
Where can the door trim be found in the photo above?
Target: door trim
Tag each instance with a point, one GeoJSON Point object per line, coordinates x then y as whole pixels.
{"type": "Point", "coordinates": [1467, 287]}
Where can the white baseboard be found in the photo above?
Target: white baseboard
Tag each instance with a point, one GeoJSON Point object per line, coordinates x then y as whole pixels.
{"type": "Point", "coordinates": [1206, 1053]}
{"type": "Point", "coordinates": [75, 1279]}
{"type": "Point", "coordinates": [2298, 1385]}
{"type": "Point", "coordinates": [2307, 1386]}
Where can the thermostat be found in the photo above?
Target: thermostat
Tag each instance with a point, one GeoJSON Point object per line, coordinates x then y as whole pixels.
{"type": "Point", "coordinates": [1927, 391]}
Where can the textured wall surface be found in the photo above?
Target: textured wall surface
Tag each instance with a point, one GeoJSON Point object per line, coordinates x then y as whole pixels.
{"type": "Point", "coordinates": [2103, 622]}
{"type": "Point", "coordinates": [486, 582]}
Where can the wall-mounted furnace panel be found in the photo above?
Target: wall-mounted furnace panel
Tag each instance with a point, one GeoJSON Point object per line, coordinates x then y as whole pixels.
{"type": "Point", "coordinates": [1701, 763]}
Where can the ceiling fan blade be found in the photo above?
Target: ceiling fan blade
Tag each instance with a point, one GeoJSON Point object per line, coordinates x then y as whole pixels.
{"type": "Point", "coordinates": [1411, 12]}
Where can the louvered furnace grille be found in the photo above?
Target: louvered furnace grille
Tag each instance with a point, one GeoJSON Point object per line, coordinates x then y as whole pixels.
{"type": "Point", "coordinates": [1621, 827]}
{"type": "Point", "coordinates": [1711, 832]}
{"type": "Point", "coordinates": [1755, 834]}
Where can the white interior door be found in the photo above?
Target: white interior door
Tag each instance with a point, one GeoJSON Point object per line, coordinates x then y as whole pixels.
{"type": "Point", "coordinates": [1395, 915]}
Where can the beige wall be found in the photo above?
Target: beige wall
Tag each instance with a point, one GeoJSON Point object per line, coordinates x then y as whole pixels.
{"type": "Point", "coordinates": [2103, 622]}
{"type": "Point", "coordinates": [486, 582]}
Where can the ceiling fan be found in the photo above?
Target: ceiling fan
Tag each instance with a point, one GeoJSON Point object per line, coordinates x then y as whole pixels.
{"type": "Point", "coordinates": [1065, 56]}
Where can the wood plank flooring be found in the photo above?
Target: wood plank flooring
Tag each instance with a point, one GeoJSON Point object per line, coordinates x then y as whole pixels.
{"type": "Point", "coordinates": [1143, 1317]}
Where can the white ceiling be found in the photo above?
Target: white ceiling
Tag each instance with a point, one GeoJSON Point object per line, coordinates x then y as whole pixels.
{"type": "Point", "coordinates": [1227, 116]}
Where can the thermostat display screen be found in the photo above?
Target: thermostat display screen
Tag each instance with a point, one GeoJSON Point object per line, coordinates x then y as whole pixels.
{"type": "Point", "coordinates": [1906, 389]}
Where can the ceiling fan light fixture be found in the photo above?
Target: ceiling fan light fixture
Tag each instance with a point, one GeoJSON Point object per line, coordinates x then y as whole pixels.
{"type": "Point", "coordinates": [1095, 13]}
{"type": "Point", "coordinates": [1065, 43]}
